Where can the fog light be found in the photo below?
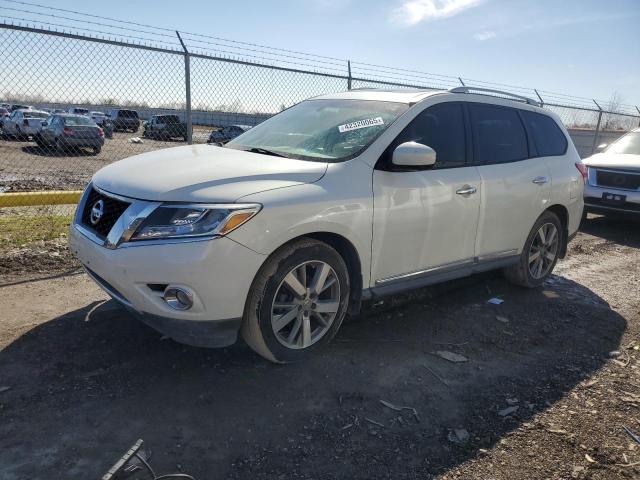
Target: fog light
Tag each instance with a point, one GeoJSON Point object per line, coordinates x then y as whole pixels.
{"type": "Point", "coordinates": [178, 298]}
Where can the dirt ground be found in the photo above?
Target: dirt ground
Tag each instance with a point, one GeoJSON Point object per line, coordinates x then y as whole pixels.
{"type": "Point", "coordinates": [24, 166]}
{"type": "Point", "coordinates": [552, 376]}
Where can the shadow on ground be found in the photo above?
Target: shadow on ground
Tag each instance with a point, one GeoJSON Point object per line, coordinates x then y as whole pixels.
{"type": "Point", "coordinates": [86, 385]}
{"type": "Point", "coordinates": [620, 229]}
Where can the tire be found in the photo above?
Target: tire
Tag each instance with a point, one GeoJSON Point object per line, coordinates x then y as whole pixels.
{"type": "Point", "coordinates": [529, 272]}
{"type": "Point", "coordinates": [97, 150]}
{"type": "Point", "coordinates": [59, 147]}
{"type": "Point", "coordinates": [306, 322]}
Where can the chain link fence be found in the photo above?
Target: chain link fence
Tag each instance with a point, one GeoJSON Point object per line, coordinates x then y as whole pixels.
{"type": "Point", "coordinates": [184, 88]}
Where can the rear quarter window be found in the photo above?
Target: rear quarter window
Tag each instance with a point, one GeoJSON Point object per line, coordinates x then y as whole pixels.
{"type": "Point", "coordinates": [547, 135]}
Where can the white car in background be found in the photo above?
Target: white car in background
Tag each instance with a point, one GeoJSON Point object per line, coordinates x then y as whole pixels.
{"type": "Point", "coordinates": [22, 124]}
{"type": "Point", "coordinates": [613, 182]}
{"type": "Point", "coordinates": [98, 117]}
{"type": "Point", "coordinates": [340, 198]}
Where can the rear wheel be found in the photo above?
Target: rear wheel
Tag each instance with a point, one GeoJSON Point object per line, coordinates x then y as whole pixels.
{"type": "Point", "coordinates": [297, 302]}
{"type": "Point", "coordinates": [540, 253]}
{"type": "Point", "coordinates": [97, 150]}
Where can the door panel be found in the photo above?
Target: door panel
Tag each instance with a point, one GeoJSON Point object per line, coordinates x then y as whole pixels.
{"type": "Point", "coordinates": [510, 204]}
{"type": "Point", "coordinates": [421, 222]}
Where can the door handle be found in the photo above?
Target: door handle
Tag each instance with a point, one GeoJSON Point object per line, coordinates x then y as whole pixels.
{"type": "Point", "coordinates": [540, 180]}
{"type": "Point", "coordinates": [466, 190]}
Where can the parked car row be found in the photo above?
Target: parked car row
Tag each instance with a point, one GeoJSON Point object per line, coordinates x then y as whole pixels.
{"type": "Point", "coordinates": [163, 127]}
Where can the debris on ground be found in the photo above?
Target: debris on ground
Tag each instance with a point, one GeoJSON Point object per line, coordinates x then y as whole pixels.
{"type": "Point", "coordinates": [400, 408]}
{"type": "Point", "coordinates": [508, 411]}
{"type": "Point", "coordinates": [136, 140]}
{"type": "Point", "coordinates": [459, 436]}
{"type": "Point", "coordinates": [4, 389]}
{"type": "Point", "coordinates": [373, 422]}
{"type": "Point", "coordinates": [495, 301]}
{"type": "Point", "coordinates": [451, 356]}
{"type": "Point", "coordinates": [631, 434]}
{"type": "Point", "coordinates": [502, 319]}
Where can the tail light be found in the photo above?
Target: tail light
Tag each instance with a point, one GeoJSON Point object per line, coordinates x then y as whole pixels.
{"type": "Point", "coordinates": [25, 123]}
{"type": "Point", "coordinates": [67, 131]}
{"type": "Point", "coordinates": [584, 171]}
{"type": "Point", "coordinates": [100, 132]}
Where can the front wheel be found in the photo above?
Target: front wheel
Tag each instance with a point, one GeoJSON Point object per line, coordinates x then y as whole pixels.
{"type": "Point", "coordinates": [540, 253]}
{"type": "Point", "coordinates": [297, 301]}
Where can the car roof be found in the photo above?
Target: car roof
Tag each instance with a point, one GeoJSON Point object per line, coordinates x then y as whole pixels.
{"type": "Point", "coordinates": [382, 95]}
{"type": "Point", "coordinates": [31, 110]}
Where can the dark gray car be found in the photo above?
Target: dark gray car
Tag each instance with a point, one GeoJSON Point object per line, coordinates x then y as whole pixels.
{"type": "Point", "coordinates": [70, 132]}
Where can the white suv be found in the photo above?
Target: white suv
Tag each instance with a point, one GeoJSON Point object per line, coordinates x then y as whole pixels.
{"type": "Point", "coordinates": [338, 199]}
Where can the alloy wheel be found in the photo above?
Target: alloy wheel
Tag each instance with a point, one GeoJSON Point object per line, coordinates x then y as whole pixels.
{"type": "Point", "coordinates": [543, 251]}
{"type": "Point", "coordinates": [305, 304]}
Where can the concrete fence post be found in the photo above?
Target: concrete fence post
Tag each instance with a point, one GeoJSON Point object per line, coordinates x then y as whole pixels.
{"type": "Point", "coordinates": [597, 132]}
{"type": "Point", "coordinates": [187, 85]}
{"type": "Point", "coordinates": [638, 110]}
{"type": "Point", "coordinates": [349, 74]}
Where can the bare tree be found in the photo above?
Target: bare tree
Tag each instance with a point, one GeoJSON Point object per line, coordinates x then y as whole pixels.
{"type": "Point", "coordinates": [612, 121]}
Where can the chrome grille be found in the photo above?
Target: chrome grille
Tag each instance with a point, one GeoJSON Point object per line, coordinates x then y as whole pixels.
{"type": "Point", "coordinates": [112, 210]}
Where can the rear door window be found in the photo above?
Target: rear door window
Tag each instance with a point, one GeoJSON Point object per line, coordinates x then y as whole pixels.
{"type": "Point", "coordinates": [498, 134]}
{"type": "Point", "coordinates": [547, 136]}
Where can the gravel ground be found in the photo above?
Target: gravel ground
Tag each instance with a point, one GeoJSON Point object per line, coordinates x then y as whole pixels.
{"type": "Point", "coordinates": [551, 377]}
{"type": "Point", "coordinates": [24, 166]}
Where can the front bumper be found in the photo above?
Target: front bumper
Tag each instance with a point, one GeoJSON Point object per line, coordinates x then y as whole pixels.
{"type": "Point", "coordinates": [218, 273]}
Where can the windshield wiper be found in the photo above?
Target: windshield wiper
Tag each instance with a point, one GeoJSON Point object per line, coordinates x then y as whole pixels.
{"type": "Point", "coordinates": [264, 151]}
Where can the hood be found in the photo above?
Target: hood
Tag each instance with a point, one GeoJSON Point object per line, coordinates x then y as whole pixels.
{"type": "Point", "coordinates": [203, 173]}
{"type": "Point", "coordinates": [614, 160]}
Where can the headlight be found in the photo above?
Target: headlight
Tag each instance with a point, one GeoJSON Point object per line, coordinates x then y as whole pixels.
{"type": "Point", "coordinates": [183, 221]}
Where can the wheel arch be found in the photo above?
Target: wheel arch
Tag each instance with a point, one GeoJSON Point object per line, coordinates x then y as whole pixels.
{"type": "Point", "coordinates": [563, 214]}
{"type": "Point", "coordinates": [348, 252]}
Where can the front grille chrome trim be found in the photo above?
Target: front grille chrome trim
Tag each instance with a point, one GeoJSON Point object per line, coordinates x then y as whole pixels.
{"type": "Point", "coordinates": [125, 225]}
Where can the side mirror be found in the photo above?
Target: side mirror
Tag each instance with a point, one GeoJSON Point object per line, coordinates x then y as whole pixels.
{"type": "Point", "coordinates": [413, 154]}
{"type": "Point", "coordinates": [601, 147]}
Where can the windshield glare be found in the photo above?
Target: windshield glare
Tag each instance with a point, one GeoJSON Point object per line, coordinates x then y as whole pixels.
{"type": "Point", "coordinates": [629, 144]}
{"type": "Point", "coordinates": [322, 130]}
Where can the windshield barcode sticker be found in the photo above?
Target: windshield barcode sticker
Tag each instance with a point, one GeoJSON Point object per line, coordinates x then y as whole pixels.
{"type": "Point", "coordinates": [368, 122]}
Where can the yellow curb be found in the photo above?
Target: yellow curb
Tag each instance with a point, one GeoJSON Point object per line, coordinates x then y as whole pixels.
{"type": "Point", "coordinates": [51, 197]}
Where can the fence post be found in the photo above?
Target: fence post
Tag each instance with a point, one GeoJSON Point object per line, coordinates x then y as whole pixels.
{"type": "Point", "coordinates": [349, 77]}
{"type": "Point", "coordinates": [597, 132]}
{"type": "Point", "coordinates": [187, 81]}
{"type": "Point", "coordinates": [638, 110]}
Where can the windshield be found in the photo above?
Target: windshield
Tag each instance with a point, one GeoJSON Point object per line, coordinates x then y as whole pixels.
{"type": "Point", "coordinates": [322, 130]}
{"type": "Point", "coordinates": [36, 115]}
{"type": "Point", "coordinates": [78, 121]}
{"type": "Point", "coordinates": [168, 119]}
{"type": "Point", "coordinates": [630, 144]}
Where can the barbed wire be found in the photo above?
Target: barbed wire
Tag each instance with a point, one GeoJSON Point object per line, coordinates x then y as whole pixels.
{"type": "Point", "coordinates": [241, 49]}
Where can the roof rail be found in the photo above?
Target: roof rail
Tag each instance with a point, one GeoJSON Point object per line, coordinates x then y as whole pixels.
{"type": "Point", "coordinates": [466, 89]}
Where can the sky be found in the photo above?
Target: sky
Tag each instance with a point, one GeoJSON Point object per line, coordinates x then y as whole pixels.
{"type": "Point", "coordinates": [588, 48]}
